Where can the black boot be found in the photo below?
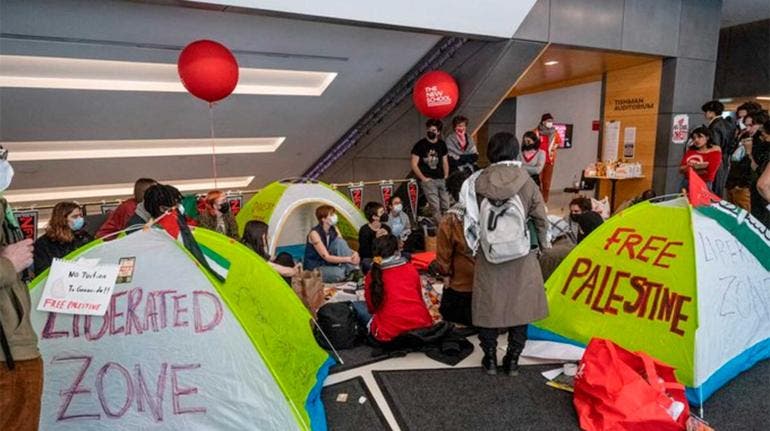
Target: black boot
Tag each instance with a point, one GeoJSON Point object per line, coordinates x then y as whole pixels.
{"type": "Point", "coordinates": [489, 361]}
{"type": "Point", "coordinates": [511, 363]}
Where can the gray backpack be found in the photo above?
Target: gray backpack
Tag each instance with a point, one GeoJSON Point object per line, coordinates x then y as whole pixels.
{"type": "Point", "coordinates": [504, 234]}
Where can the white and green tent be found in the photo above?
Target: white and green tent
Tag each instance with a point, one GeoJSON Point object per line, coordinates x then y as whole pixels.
{"type": "Point", "coordinates": [689, 285]}
{"type": "Point", "coordinates": [178, 349]}
{"type": "Point", "coordinates": [288, 207]}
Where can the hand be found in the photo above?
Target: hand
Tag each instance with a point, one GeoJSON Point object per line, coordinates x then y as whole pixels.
{"type": "Point", "coordinates": [355, 259]}
{"type": "Point", "coordinates": [426, 180]}
{"type": "Point", "coordinates": [20, 254]}
{"type": "Point", "coordinates": [297, 270]}
{"type": "Point", "coordinates": [381, 232]}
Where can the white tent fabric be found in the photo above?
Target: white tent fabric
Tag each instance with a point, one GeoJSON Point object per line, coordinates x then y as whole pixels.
{"type": "Point", "coordinates": [168, 354]}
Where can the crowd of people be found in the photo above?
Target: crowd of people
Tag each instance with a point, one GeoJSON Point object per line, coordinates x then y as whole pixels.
{"type": "Point", "coordinates": [491, 236]}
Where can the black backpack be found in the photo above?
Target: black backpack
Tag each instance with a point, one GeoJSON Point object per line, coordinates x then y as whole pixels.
{"type": "Point", "coordinates": [339, 324]}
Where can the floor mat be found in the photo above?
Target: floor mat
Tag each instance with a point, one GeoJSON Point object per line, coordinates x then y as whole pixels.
{"type": "Point", "coordinates": [464, 399]}
{"type": "Point", "coordinates": [351, 414]}
{"type": "Point", "coordinates": [356, 357]}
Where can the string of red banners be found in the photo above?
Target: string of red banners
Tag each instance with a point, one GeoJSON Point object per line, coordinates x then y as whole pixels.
{"type": "Point", "coordinates": [356, 193]}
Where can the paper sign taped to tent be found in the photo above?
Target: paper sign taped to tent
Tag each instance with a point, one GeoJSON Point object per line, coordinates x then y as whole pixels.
{"type": "Point", "coordinates": [78, 288]}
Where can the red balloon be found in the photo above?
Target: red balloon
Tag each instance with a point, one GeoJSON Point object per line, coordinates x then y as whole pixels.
{"type": "Point", "coordinates": [208, 70]}
{"type": "Point", "coordinates": [435, 94]}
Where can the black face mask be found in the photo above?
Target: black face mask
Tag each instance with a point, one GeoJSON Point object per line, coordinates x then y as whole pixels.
{"type": "Point", "coordinates": [384, 218]}
{"type": "Point", "coordinates": [224, 208]}
{"type": "Point", "coordinates": [431, 135]}
{"type": "Point", "coordinates": [574, 217]}
{"type": "Point", "coordinates": [529, 147]}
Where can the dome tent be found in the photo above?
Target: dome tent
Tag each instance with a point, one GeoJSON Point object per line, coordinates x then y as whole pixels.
{"type": "Point", "coordinates": [177, 349]}
{"type": "Point", "coordinates": [288, 207]}
{"type": "Point", "coordinates": [687, 285]}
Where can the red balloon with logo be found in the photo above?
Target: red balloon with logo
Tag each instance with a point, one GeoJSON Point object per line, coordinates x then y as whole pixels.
{"type": "Point", "coordinates": [208, 70]}
{"type": "Point", "coordinates": [435, 94]}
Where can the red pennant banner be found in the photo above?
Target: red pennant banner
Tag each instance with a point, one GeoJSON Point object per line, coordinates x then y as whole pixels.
{"type": "Point", "coordinates": [27, 221]}
{"type": "Point", "coordinates": [356, 192]}
{"type": "Point", "coordinates": [236, 203]}
{"type": "Point", "coordinates": [699, 193]}
{"type": "Point", "coordinates": [200, 204]}
{"type": "Point", "coordinates": [413, 191]}
{"type": "Point", "coordinates": [386, 191]}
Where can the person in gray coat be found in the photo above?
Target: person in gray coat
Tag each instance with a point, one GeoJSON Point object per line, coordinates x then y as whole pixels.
{"type": "Point", "coordinates": [511, 294]}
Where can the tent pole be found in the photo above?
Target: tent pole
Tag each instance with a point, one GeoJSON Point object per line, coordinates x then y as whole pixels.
{"type": "Point", "coordinates": [700, 394]}
{"type": "Point", "coordinates": [339, 358]}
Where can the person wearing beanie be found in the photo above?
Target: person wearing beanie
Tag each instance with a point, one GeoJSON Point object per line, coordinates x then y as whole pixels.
{"type": "Point", "coordinates": [550, 140]}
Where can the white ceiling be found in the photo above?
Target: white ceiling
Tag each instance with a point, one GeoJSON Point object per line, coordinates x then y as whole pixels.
{"type": "Point", "coordinates": [736, 12]}
{"type": "Point", "coordinates": [368, 62]}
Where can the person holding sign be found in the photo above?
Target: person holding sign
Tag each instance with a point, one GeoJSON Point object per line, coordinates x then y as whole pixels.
{"type": "Point", "coordinates": [63, 235]}
{"type": "Point", "coordinates": [21, 368]}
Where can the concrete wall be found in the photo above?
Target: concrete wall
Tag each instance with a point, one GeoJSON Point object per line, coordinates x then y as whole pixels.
{"type": "Point", "coordinates": [578, 105]}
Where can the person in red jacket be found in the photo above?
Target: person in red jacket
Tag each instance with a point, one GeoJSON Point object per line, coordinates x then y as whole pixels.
{"type": "Point", "coordinates": [118, 218]}
{"type": "Point", "coordinates": [703, 156]}
{"type": "Point", "coordinates": [394, 293]}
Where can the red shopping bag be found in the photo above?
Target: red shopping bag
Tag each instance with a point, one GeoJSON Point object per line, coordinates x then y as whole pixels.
{"type": "Point", "coordinates": [422, 260]}
{"type": "Point", "coordinates": [620, 390]}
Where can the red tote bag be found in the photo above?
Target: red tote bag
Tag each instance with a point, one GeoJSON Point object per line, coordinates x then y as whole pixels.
{"type": "Point", "coordinates": [619, 390]}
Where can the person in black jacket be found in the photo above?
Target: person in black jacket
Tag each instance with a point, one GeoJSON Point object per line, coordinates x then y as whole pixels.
{"type": "Point", "coordinates": [376, 216]}
{"type": "Point", "coordinates": [723, 135]}
{"type": "Point", "coordinates": [63, 235]}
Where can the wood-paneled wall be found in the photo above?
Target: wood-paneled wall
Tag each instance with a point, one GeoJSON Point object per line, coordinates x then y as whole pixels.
{"type": "Point", "coordinates": [632, 97]}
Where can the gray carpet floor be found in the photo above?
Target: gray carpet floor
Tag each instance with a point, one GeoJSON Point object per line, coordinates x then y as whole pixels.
{"type": "Point", "coordinates": [467, 399]}
{"type": "Point", "coordinates": [356, 357]}
{"type": "Point", "coordinates": [352, 415]}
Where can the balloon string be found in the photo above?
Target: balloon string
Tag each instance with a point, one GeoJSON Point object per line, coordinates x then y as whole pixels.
{"type": "Point", "coordinates": [213, 145]}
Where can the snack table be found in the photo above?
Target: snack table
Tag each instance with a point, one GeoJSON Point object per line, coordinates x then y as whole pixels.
{"type": "Point", "coordinates": [613, 181]}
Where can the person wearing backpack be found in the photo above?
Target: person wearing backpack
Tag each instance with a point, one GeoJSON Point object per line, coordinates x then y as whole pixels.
{"type": "Point", "coordinates": [393, 291]}
{"type": "Point", "coordinates": [508, 291]}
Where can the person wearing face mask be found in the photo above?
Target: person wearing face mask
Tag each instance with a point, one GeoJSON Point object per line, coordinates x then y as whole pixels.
{"type": "Point", "coordinates": [398, 221]}
{"type": "Point", "coordinates": [760, 188]}
{"type": "Point", "coordinates": [460, 146]}
{"type": "Point", "coordinates": [583, 218]}
{"type": "Point", "coordinates": [703, 156]}
{"type": "Point", "coordinates": [722, 136]}
{"type": "Point", "coordinates": [376, 216]}
{"type": "Point", "coordinates": [217, 216]}
{"type": "Point", "coordinates": [549, 141]}
{"type": "Point", "coordinates": [431, 166]}
{"type": "Point", "coordinates": [255, 238]}
{"type": "Point", "coordinates": [63, 235]}
{"type": "Point", "coordinates": [326, 250]}
{"type": "Point", "coordinates": [741, 173]}
{"type": "Point", "coordinates": [532, 156]}
{"type": "Point", "coordinates": [21, 367]}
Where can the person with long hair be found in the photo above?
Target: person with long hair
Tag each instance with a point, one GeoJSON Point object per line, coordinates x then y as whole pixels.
{"type": "Point", "coordinates": [393, 292]}
{"type": "Point", "coordinates": [63, 235]}
{"type": "Point", "coordinates": [217, 216]}
{"type": "Point", "coordinates": [255, 238]}
{"type": "Point", "coordinates": [703, 156]}
{"type": "Point", "coordinates": [532, 156]}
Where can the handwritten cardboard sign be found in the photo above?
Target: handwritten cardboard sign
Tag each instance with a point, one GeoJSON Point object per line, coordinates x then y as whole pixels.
{"type": "Point", "coordinates": [78, 287]}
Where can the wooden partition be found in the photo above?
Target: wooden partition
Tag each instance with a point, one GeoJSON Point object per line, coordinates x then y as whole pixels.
{"type": "Point", "coordinates": [632, 99]}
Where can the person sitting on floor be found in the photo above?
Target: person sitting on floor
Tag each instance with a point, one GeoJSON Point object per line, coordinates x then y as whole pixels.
{"type": "Point", "coordinates": [582, 214]}
{"type": "Point", "coordinates": [393, 292]}
{"type": "Point", "coordinates": [217, 216]}
{"type": "Point", "coordinates": [376, 216]}
{"type": "Point", "coordinates": [255, 238]}
{"type": "Point", "coordinates": [453, 257]}
{"type": "Point", "coordinates": [63, 235]}
{"type": "Point", "coordinates": [326, 250]}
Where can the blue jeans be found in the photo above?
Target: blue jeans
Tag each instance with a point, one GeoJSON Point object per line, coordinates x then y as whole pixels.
{"type": "Point", "coordinates": [334, 273]}
{"type": "Point", "coordinates": [362, 313]}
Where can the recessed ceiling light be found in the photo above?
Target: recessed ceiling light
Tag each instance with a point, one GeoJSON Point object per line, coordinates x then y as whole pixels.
{"type": "Point", "coordinates": [21, 151]}
{"type": "Point", "coordinates": [124, 189]}
{"type": "Point", "coordinates": [85, 74]}
{"type": "Point", "coordinates": [551, 63]}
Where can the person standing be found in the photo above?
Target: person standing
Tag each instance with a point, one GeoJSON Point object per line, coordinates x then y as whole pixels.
{"type": "Point", "coordinates": [462, 150]}
{"type": "Point", "coordinates": [431, 166]}
{"type": "Point", "coordinates": [509, 294]}
{"type": "Point", "coordinates": [21, 368]}
{"type": "Point", "coordinates": [704, 156]}
{"type": "Point", "coordinates": [723, 136]}
{"type": "Point", "coordinates": [550, 140]}
{"type": "Point", "coordinates": [532, 156]}
{"type": "Point", "coordinates": [217, 216]}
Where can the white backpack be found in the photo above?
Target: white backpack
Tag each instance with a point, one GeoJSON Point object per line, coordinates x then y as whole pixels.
{"type": "Point", "coordinates": [504, 234]}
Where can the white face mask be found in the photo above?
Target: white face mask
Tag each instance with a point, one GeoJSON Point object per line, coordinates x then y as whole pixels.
{"type": "Point", "coordinates": [333, 219]}
{"type": "Point", "coordinates": [548, 124]}
{"type": "Point", "coordinates": [6, 175]}
{"type": "Point", "coordinates": [397, 208]}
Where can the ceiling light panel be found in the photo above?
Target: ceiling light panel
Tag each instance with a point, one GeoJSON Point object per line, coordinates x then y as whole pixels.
{"type": "Point", "coordinates": [22, 151]}
{"type": "Point", "coordinates": [124, 189]}
{"type": "Point", "coordinates": [85, 74]}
